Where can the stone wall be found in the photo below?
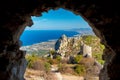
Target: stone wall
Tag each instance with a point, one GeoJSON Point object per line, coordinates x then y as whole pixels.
{"type": "Point", "coordinates": [87, 51]}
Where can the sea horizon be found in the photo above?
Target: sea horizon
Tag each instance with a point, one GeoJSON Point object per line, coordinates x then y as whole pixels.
{"type": "Point", "coordinates": [30, 37]}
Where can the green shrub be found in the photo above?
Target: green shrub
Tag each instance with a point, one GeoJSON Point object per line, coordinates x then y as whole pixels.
{"type": "Point", "coordinates": [98, 57]}
{"type": "Point", "coordinates": [49, 60]}
{"type": "Point", "coordinates": [58, 58]}
{"type": "Point", "coordinates": [88, 39]}
{"type": "Point", "coordinates": [80, 69]}
{"type": "Point", "coordinates": [101, 62]}
{"type": "Point", "coordinates": [78, 58]}
{"type": "Point", "coordinates": [47, 66]}
{"type": "Point", "coordinates": [52, 52]}
{"type": "Point", "coordinates": [102, 46]}
{"type": "Point", "coordinates": [31, 59]}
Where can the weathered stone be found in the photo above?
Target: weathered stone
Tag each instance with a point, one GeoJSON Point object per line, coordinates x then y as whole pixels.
{"type": "Point", "coordinates": [67, 46]}
{"type": "Point", "coordinates": [61, 44]}
{"type": "Point", "coordinates": [101, 15]}
{"type": "Point", "coordinates": [87, 51]}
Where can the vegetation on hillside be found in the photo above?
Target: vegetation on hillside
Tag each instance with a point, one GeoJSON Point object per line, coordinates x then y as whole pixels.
{"type": "Point", "coordinates": [79, 66]}
{"type": "Point", "coordinates": [97, 47]}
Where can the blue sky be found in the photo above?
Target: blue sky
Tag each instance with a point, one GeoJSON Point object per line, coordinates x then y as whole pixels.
{"type": "Point", "coordinates": [60, 19]}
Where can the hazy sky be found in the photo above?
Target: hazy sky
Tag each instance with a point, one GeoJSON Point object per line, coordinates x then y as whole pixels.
{"type": "Point", "coordinates": [58, 20]}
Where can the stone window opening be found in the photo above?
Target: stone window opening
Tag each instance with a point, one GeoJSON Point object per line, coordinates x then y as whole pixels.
{"type": "Point", "coordinates": [89, 55]}
{"type": "Point", "coordinates": [104, 20]}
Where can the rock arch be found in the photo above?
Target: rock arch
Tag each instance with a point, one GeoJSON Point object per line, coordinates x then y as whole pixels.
{"type": "Point", "coordinates": [15, 15]}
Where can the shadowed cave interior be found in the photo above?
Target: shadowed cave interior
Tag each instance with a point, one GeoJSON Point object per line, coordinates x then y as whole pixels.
{"type": "Point", "coordinates": [102, 16]}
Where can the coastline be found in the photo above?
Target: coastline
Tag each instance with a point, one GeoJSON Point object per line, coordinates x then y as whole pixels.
{"type": "Point", "coordinates": [49, 44]}
{"type": "Point", "coordinates": [37, 36]}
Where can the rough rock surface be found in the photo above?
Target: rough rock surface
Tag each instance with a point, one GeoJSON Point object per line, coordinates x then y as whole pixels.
{"type": "Point", "coordinates": [61, 46]}
{"type": "Point", "coordinates": [65, 46]}
{"type": "Point", "coordinates": [102, 15]}
{"type": "Point", "coordinates": [87, 51]}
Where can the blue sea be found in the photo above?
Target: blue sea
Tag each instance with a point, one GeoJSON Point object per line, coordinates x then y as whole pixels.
{"type": "Point", "coordinates": [30, 37]}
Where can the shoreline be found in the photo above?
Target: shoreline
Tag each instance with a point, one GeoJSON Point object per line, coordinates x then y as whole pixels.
{"type": "Point", "coordinates": [79, 33]}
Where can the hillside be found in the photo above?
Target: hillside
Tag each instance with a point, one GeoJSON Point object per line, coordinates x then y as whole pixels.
{"type": "Point", "coordinates": [75, 56]}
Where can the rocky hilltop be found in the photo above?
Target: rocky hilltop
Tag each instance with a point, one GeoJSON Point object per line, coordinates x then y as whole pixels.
{"type": "Point", "coordinates": [65, 47]}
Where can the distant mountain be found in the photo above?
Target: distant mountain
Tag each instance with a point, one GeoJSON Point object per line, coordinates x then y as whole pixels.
{"type": "Point", "coordinates": [84, 31]}
{"type": "Point", "coordinates": [81, 29]}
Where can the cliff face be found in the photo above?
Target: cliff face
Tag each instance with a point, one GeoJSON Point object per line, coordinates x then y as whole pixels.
{"type": "Point", "coordinates": [61, 45]}
{"type": "Point", "coordinates": [65, 47]}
